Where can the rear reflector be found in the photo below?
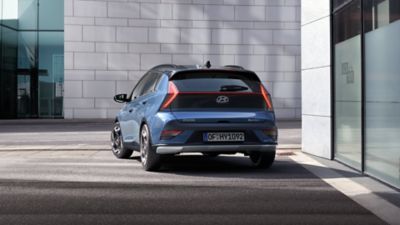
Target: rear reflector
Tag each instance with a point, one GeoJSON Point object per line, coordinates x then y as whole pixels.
{"type": "Point", "coordinates": [271, 132]}
{"type": "Point", "coordinates": [172, 93]}
{"type": "Point", "coordinates": [168, 134]}
{"type": "Point", "coordinates": [266, 97]}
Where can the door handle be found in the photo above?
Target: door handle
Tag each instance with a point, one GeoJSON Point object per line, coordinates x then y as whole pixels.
{"type": "Point", "coordinates": [144, 102]}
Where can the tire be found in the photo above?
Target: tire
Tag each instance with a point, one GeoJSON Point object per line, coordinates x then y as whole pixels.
{"type": "Point", "coordinates": [151, 161]}
{"type": "Point", "coordinates": [262, 160]}
{"type": "Point", "coordinates": [117, 144]}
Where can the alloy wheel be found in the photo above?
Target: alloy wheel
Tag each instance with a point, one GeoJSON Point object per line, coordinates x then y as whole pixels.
{"type": "Point", "coordinates": [144, 145]}
{"type": "Point", "coordinates": [116, 140]}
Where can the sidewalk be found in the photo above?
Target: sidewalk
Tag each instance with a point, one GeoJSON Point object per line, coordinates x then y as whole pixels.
{"type": "Point", "coordinates": [92, 135]}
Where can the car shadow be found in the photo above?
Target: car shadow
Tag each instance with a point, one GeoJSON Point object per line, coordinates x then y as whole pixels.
{"type": "Point", "coordinates": [234, 166]}
{"type": "Point", "coordinates": [229, 166]}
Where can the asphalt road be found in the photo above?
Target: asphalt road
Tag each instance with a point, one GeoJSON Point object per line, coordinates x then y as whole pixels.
{"type": "Point", "coordinates": [93, 187]}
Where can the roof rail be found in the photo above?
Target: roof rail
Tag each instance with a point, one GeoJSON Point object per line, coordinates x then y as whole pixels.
{"type": "Point", "coordinates": [235, 67]}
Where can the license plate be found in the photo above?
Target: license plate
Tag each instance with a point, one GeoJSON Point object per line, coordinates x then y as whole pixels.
{"type": "Point", "coordinates": [224, 137]}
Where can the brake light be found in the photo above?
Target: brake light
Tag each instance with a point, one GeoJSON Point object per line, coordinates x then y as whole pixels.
{"type": "Point", "coordinates": [266, 97]}
{"type": "Point", "coordinates": [172, 93]}
{"type": "Point", "coordinates": [168, 134]}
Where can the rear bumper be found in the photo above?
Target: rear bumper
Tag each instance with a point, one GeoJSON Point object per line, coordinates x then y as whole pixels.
{"type": "Point", "coordinates": [214, 148]}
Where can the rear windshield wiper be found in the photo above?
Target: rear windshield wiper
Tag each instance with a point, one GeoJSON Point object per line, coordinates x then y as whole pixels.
{"type": "Point", "coordinates": [233, 88]}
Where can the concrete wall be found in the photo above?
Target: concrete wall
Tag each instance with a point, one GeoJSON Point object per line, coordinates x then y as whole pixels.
{"type": "Point", "coordinates": [109, 44]}
{"type": "Point", "coordinates": [315, 73]}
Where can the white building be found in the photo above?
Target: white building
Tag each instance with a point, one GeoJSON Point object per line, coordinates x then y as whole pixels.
{"type": "Point", "coordinates": [350, 79]}
{"type": "Point", "coordinates": [110, 44]}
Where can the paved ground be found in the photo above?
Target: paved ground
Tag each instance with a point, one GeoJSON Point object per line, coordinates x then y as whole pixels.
{"type": "Point", "coordinates": [92, 187]}
{"type": "Point", "coordinates": [61, 172]}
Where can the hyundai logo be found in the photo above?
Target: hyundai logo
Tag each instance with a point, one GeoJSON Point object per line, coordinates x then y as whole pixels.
{"type": "Point", "coordinates": [222, 99]}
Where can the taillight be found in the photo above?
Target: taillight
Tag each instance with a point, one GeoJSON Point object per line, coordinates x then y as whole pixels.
{"type": "Point", "coordinates": [266, 97]}
{"type": "Point", "coordinates": [168, 134]}
{"type": "Point", "coordinates": [271, 132]}
{"type": "Point", "coordinates": [172, 93]}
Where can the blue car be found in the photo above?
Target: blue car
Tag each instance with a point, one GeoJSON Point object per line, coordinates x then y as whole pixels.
{"type": "Point", "coordinates": [184, 109]}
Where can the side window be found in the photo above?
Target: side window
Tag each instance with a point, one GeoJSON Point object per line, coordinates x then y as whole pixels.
{"type": "Point", "coordinates": [149, 83]}
{"type": "Point", "coordinates": [139, 87]}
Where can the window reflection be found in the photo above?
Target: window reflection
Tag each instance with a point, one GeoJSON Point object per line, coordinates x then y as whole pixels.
{"type": "Point", "coordinates": [31, 38]}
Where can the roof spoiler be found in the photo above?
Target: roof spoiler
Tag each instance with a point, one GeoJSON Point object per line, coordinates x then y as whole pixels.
{"type": "Point", "coordinates": [246, 73]}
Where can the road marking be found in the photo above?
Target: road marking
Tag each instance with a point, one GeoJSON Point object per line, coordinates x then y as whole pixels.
{"type": "Point", "coordinates": [357, 192]}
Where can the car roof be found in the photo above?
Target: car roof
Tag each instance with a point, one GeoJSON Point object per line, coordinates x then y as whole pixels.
{"type": "Point", "coordinates": [171, 69]}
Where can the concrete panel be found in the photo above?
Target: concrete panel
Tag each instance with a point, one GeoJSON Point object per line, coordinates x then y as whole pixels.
{"type": "Point", "coordinates": [123, 9]}
{"type": "Point", "coordinates": [79, 103]}
{"type": "Point", "coordinates": [250, 13]}
{"type": "Point", "coordinates": [315, 42]}
{"type": "Point", "coordinates": [132, 34]}
{"type": "Point", "coordinates": [73, 33]}
{"type": "Point", "coordinates": [164, 35]}
{"type": "Point", "coordinates": [90, 8]}
{"type": "Point", "coordinates": [148, 61]}
{"type": "Point", "coordinates": [90, 61]}
{"type": "Point", "coordinates": [316, 91]}
{"type": "Point", "coordinates": [316, 135]}
{"type": "Point", "coordinates": [281, 14]}
{"type": "Point", "coordinates": [314, 10]}
{"type": "Point", "coordinates": [72, 89]}
{"type": "Point", "coordinates": [258, 37]}
{"type": "Point", "coordinates": [190, 12]}
{"type": "Point", "coordinates": [212, 12]}
{"type": "Point", "coordinates": [98, 89]}
{"type": "Point", "coordinates": [226, 36]}
{"type": "Point", "coordinates": [155, 11]}
{"type": "Point", "coordinates": [121, 61]}
{"type": "Point", "coordinates": [100, 34]}
{"type": "Point", "coordinates": [196, 36]}
{"type": "Point", "coordinates": [286, 89]}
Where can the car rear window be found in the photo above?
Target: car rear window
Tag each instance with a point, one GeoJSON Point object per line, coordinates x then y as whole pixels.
{"type": "Point", "coordinates": [216, 82]}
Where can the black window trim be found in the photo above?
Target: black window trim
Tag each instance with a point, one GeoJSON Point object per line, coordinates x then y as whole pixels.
{"type": "Point", "coordinates": [147, 75]}
{"type": "Point", "coordinates": [136, 86]}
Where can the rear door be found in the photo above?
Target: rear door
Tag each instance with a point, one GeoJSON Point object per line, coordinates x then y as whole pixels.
{"type": "Point", "coordinates": [127, 121]}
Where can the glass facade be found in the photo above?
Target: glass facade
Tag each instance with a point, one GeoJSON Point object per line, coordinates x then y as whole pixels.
{"type": "Point", "coordinates": [382, 82]}
{"type": "Point", "coordinates": [367, 109]}
{"type": "Point", "coordinates": [347, 44]}
{"type": "Point", "coordinates": [32, 58]}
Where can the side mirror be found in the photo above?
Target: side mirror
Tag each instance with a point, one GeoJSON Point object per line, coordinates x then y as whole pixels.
{"type": "Point", "coordinates": [121, 98]}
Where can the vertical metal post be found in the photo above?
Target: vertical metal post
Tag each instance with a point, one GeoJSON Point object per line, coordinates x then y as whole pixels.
{"type": "Point", "coordinates": [332, 80]}
{"type": "Point", "coordinates": [35, 74]}
{"type": "Point", "coordinates": [363, 131]}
